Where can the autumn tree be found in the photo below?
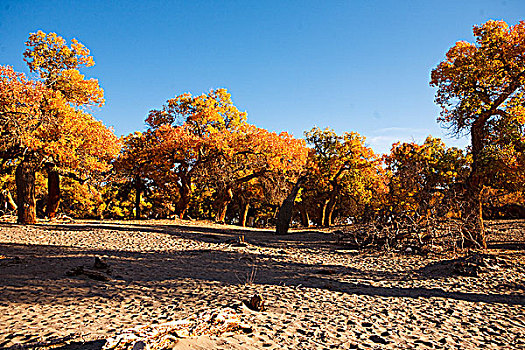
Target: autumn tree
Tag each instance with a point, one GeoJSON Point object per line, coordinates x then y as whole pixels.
{"type": "Point", "coordinates": [481, 91]}
{"type": "Point", "coordinates": [44, 123]}
{"type": "Point", "coordinates": [20, 117]}
{"type": "Point", "coordinates": [182, 131]}
{"type": "Point", "coordinates": [422, 176]}
{"type": "Point", "coordinates": [253, 157]}
{"type": "Point", "coordinates": [204, 143]}
{"type": "Point", "coordinates": [342, 167]}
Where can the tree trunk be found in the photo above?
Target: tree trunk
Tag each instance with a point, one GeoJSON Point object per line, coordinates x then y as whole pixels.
{"type": "Point", "coordinates": [284, 215]}
{"type": "Point", "coordinates": [305, 218]}
{"type": "Point", "coordinates": [9, 201]}
{"type": "Point", "coordinates": [221, 212]}
{"type": "Point", "coordinates": [25, 190]}
{"type": "Point", "coordinates": [138, 192]}
{"type": "Point", "coordinates": [330, 216]}
{"type": "Point", "coordinates": [223, 201]}
{"type": "Point", "coordinates": [475, 234]}
{"type": "Point", "coordinates": [330, 204]}
{"type": "Point", "coordinates": [324, 211]}
{"type": "Point", "coordinates": [475, 229]}
{"type": "Point", "coordinates": [244, 214]}
{"type": "Point", "coordinates": [53, 191]}
{"type": "Point", "coordinates": [185, 194]}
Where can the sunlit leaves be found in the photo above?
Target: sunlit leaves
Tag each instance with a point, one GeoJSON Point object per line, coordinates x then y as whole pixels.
{"type": "Point", "coordinates": [69, 137]}
{"type": "Point", "coordinates": [483, 78]}
{"type": "Point", "coordinates": [341, 169]}
{"type": "Point", "coordinates": [49, 54]}
{"type": "Point", "coordinates": [20, 112]}
{"type": "Point", "coordinates": [421, 175]}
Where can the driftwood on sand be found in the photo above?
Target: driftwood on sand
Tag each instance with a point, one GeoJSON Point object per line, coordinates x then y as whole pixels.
{"type": "Point", "coordinates": [166, 335]}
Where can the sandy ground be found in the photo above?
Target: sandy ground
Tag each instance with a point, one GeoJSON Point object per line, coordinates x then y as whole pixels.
{"type": "Point", "coordinates": [318, 295]}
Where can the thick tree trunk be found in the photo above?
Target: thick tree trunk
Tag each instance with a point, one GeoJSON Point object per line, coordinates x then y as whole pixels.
{"type": "Point", "coordinates": [244, 213]}
{"type": "Point", "coordinates": [475, 230]}
{"type": "Point", "coordinates": [53, 192]}
{"type": "Point", "coordinates": [138, 192]}
{"type": "Point", "coordinates": [25, 190]}
{"type": "Point", "coordinates": [185, 196]}
{"type": "Point", "coordinates": [223, 201]}
{"type": "Point", "coordinates": [284, 215]}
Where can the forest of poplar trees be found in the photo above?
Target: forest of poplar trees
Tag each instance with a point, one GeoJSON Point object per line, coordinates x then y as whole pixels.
{"type": "Point", "coordinates": [200, 158]}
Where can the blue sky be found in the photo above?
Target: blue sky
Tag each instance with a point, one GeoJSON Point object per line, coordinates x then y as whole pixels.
{"type": "Point", "coordinates": [350, 65]}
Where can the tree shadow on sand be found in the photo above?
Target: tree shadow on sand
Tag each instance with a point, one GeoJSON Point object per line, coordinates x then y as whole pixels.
{"type": "Point", "coordinates": [213, 234]}
{"type": "Point", "coordinates": [41, 265]}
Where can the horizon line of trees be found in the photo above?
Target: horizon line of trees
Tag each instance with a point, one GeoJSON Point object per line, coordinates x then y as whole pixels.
{"type": "Point", "coordinates": [200, 158]}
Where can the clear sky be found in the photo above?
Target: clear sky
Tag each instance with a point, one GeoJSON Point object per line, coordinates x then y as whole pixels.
{"type": "Point", "coordinates": [350, 65]}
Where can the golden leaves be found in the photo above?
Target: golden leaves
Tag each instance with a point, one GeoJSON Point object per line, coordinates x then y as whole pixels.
{"type": "Point", "coordinates": [49, 53]}
{"type": "Point", "coordinates": [52, 125]}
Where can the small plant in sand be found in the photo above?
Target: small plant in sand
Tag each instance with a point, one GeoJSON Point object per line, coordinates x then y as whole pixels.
{"type": "Point", "coordinates": [248, 269]}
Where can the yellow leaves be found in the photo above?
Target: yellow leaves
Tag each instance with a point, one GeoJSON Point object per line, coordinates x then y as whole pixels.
{"type": "Point", "coordinates": [77, 89]}
{"type": "Point", "coordinates": [49, 53]}
{"type": "Point", "coordinates": [206, 113]}
{"type": "Point", "coordinates": [48, 120]}
{"type": "Point", "coordinates": [418, 173]}
{"type": "Point", "coordinates": [20, 113]}
{"type": "Point", "coordinates": [480, 78]}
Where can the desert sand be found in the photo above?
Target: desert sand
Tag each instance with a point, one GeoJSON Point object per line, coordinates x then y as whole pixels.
{"type": "Point", "coordinates": [318, 294]}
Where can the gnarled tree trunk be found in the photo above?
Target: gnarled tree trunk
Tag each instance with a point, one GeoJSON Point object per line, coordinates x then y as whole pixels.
{"type": "Point", "coordinates": [244, 213]}
{"type": "Point", "coordinates": [53, 191]}
{"type": "Point", "coordinates": [223, 201]}
{"type": "Point", "coordinates": [475, 234]}
{"type": "Point", "coordinates": [25, 190]}
{"type": "Point", "coordinates": [185, 194]}
{"type": "Point", "coordinates": [284, 215]}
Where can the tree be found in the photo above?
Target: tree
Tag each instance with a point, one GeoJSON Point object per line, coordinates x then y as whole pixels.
{"type": "Point", "coordinates": [422, 176]}
{"type": "Point", "coordinates": [341, 167]}
{"type": "Point", "coordinates": [57, 65]}
{"type": "Point", "coordinates": [182, 131]}
{"type": "Point", "coordinates": [481, 89]}
{"type": "Point", "coordinates": [20, 118]}
{"type": "Point", "coordinates": [44, 124]}
{"type": "Point", "coordinates": [204, 143]}
{"type": "Point", "coordinates": [133, 166]}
